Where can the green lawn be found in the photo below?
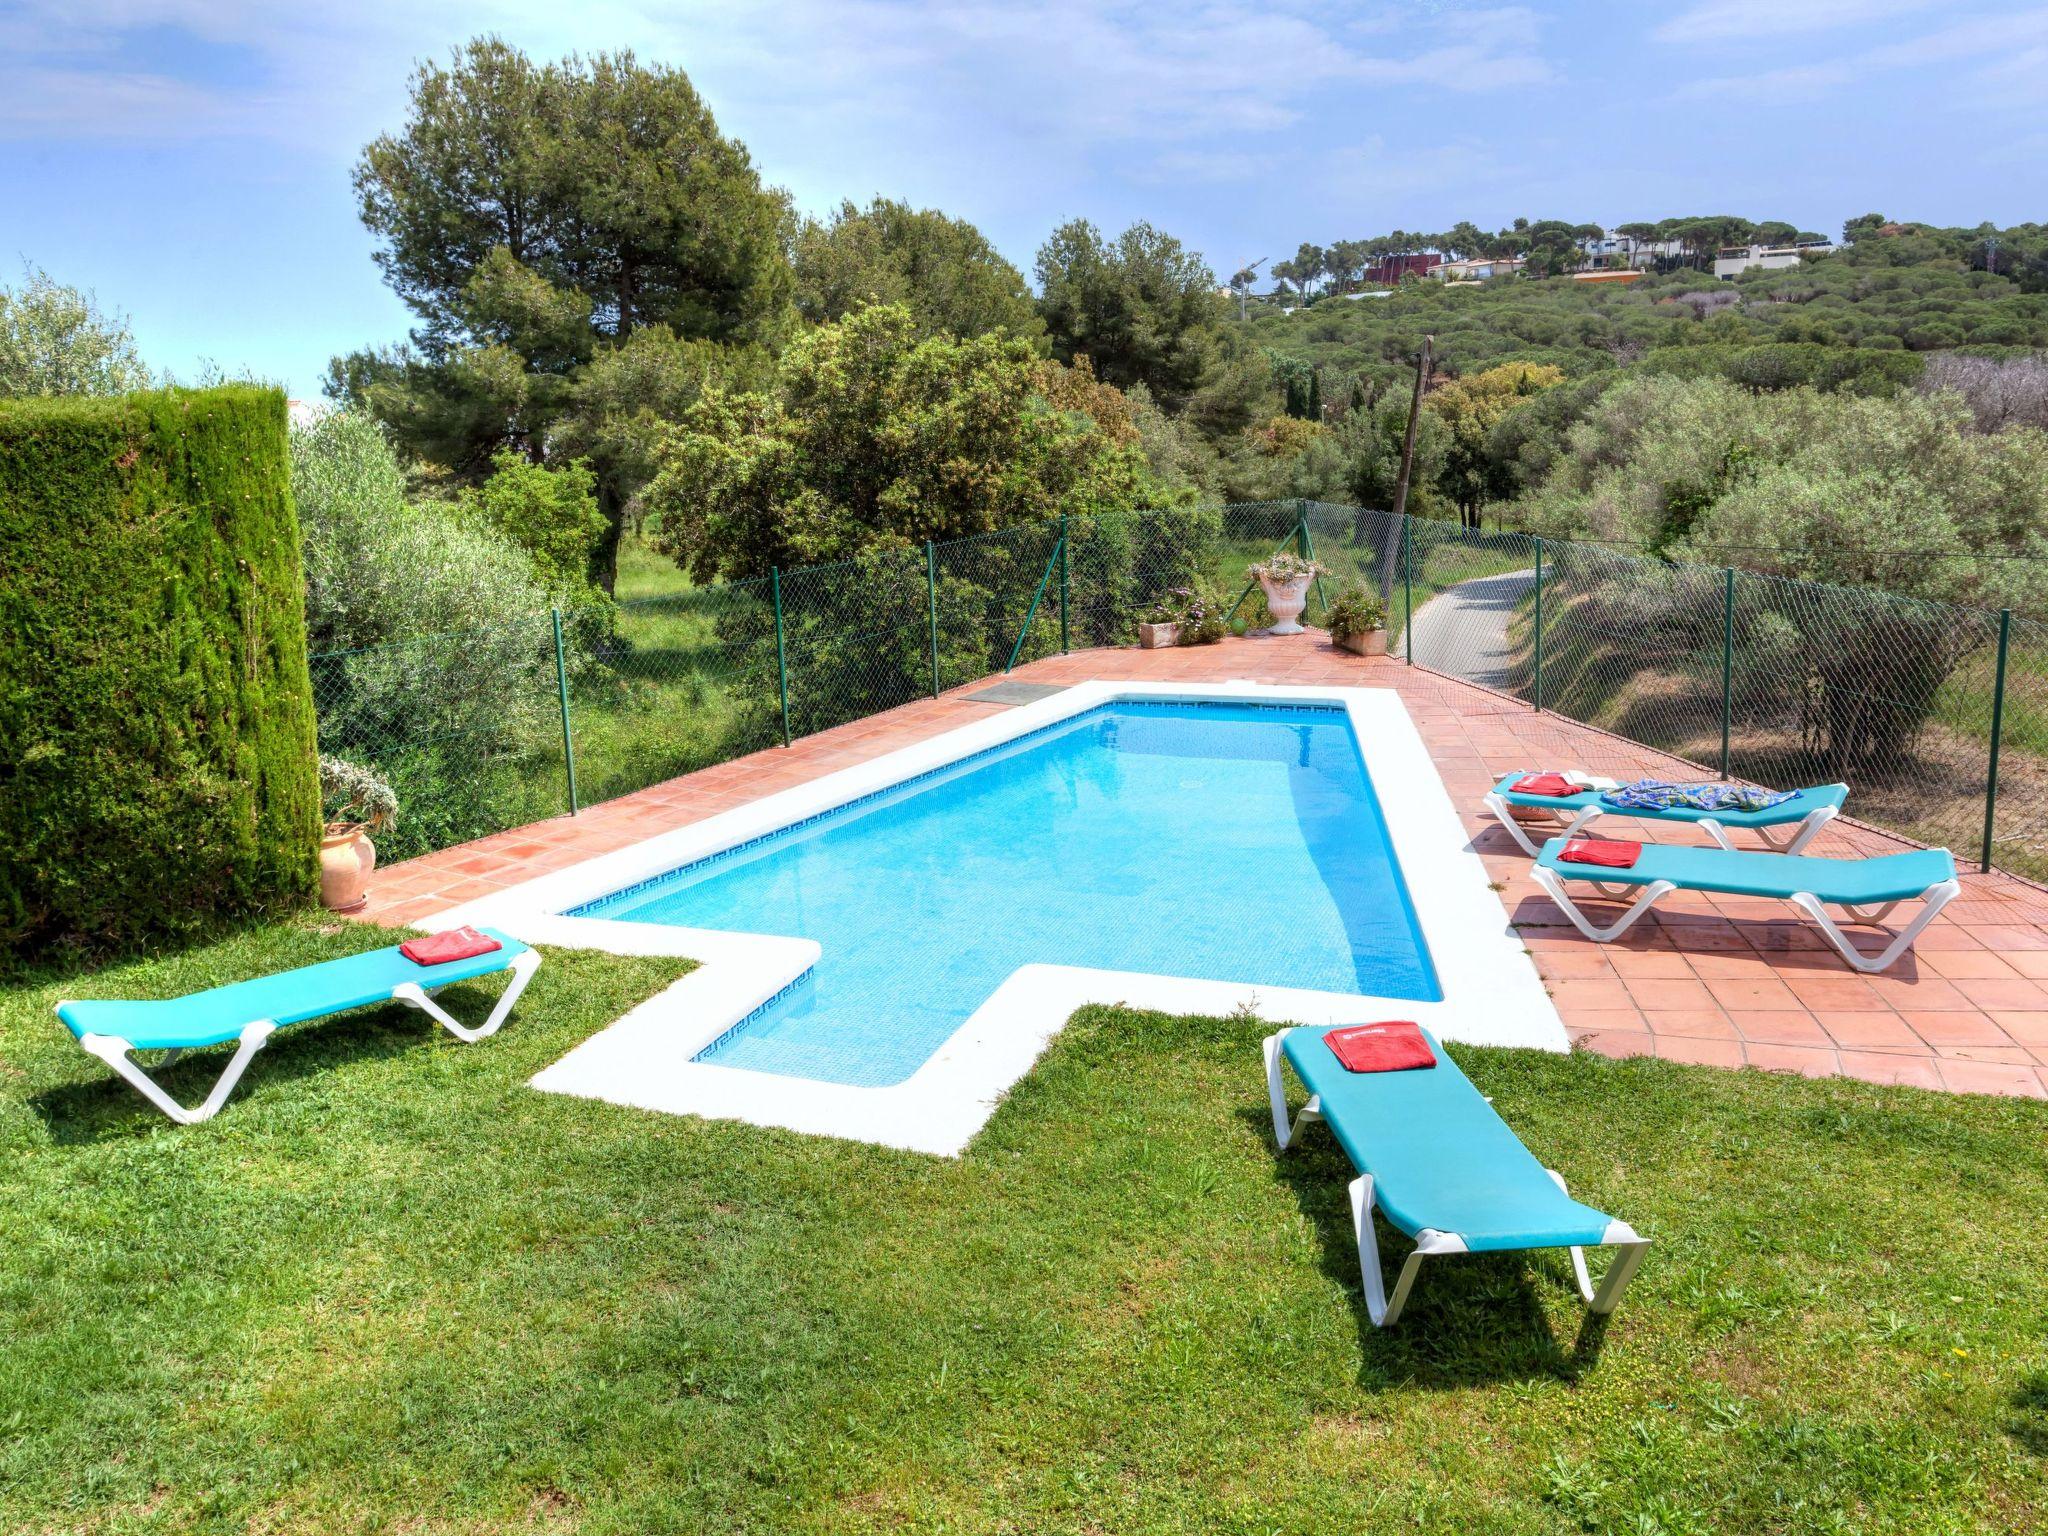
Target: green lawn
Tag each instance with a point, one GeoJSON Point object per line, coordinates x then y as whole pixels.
{"type": "Point", "coordinates": [394, 1288]}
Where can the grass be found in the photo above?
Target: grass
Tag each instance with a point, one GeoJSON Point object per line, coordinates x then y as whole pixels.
{"type": "Point", "coordinates": [394, 1287]}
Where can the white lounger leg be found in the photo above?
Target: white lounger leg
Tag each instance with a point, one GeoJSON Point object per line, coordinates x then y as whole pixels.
{"type": "Point", "coordinates": [114, 1052]}
{"type": "Point", "coordinates": [1778, 839]}
{"type": "Point", "coordinates": [1553, 887]}
{"type": "Point", "coordinates": [1620, 1271]}
{"type": "Point", "coordinates": [1934, 898]}
{"type": "Point", "coordinates": [523, 967]}
{"type": "Point", "coordinates": [1385, 1310]}
{"type": "Point", "coordinates": [1276, 1095]}
{"type": "Point", "coordinates": [1566, 826]}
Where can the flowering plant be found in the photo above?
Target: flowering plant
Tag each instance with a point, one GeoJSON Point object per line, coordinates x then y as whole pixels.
{"type": "Point", "coordinates": [354, 796]}
{"type": "Point", "coordinates": [1282, 567]}
{"type": "Point", "coordinates": [1355, 612]}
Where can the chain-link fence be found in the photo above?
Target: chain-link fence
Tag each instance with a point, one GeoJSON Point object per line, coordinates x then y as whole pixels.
{"type": "Point", "coordinates": [1935, 715]}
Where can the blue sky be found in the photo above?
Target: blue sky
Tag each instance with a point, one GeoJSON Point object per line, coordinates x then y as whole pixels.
{"type": "Point", "coordinates": [189, 159]}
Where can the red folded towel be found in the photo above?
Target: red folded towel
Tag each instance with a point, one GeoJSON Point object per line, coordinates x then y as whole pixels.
{"type": "Point", "coordinates": [455, 944]}
{"type": "Point", "coordinates": [1555, 784]}
{"type": "Point", "coordinates": [1607, 851]}
{"type": "Point", "coordinates": [1389, 1047]}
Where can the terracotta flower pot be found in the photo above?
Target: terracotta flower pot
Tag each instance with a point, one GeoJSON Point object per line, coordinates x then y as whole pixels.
{"type": "Point", "coordinates": [1154, 637]}
{"type": "Point", "coordinates": [1285, 601]}
{"type": "Point", "coordinates": [1372, 643]}
{"type": "Point", "coordinates": [346, 858]}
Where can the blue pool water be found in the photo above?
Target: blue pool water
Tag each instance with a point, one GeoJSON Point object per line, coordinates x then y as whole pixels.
{"type": "Point", "coordinates": [1224, 842]}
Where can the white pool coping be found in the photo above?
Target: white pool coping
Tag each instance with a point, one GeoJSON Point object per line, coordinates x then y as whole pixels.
{"type": "Point", "coordinates": [1492, 994]}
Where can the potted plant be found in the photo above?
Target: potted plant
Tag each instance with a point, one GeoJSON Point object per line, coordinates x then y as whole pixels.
{"type": "Point", "coordinates": [1159, 625]}
{"type": "Point", "coordinates": [1357, 621]}
{"type": "Point", "coordinates": [354, 802]}
{"type": "Point", "coordinates": [1285, 578]}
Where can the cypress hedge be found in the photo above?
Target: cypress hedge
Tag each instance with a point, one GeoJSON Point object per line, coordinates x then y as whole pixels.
{"type": "Point", "coordinates": [158, 773]}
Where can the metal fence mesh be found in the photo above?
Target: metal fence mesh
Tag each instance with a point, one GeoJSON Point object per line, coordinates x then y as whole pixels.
{"type": "Point", "coordinates": [1774, 681]}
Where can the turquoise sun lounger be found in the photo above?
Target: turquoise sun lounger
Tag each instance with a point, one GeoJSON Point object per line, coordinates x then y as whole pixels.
{"type": "Point", "coordinates": [1869, 890]}
{"type": "Point", "coordinates": [1785, 828]}
{"type": "Point", "coordinates": [1442, 1167]}
{"type": "Point", "coordinates": [249, 1012]}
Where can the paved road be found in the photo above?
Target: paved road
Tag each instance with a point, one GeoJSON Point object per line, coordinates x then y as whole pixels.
{"type": "Point", "coordinates": [1463, 630]}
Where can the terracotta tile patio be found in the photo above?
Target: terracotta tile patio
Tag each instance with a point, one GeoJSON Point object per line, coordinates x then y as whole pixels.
{"type": "Point", "coordinates": [1721, 981]}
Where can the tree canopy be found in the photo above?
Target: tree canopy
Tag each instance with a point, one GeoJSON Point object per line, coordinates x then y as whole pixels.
{"type": "Point", "coordinates": [943, 270]}
{"type": "Point", "coordinates": [55, 340]}
{"type": "Point", "coordinates": [874, 435]}
{"type": "Point", "coordinates": [567, 234]}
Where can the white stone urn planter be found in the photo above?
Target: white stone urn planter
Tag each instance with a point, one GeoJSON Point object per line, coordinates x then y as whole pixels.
{"type": "Point", "coordinates": [1158, 637]}
{"type": "Point", "coordinates": [1285, 600]}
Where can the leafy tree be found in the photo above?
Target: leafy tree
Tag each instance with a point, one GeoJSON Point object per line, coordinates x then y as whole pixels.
{"type": "Point", "coordinates": [1470, 408]}
{"type": "Point", "coordinates": [534, 216]}
{"type": "Point", "coordinates": [1144, 308]}
{"type": "Point", "coordinates": [55, 340]}
{"type": "Point", "coordinates": [552, 514]}
{"type": "Point", "coordinates": [875, 436]}
{"type": "Point", "coordinates": [943, 270]}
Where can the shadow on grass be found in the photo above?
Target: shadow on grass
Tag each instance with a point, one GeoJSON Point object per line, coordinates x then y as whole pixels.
{"type": "Point", "coordinates": [103, 1108]}
{"type": "Point", "coordinates": [1471, 1320]}
{"type": "Point", "coordinates": [2029, 1422]}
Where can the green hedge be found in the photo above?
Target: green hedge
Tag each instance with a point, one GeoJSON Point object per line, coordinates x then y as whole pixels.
{"type": "Point", "coordinates": [157, 764]}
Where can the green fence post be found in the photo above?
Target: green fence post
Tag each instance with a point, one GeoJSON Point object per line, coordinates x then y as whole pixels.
{"type": "Point", "coordinates": [931, 588]}
{"type": "Point", "coordinates": [1997, 733]}
{"type": "Point", "coordinates": [1307, 541]}
{"type": "Point", "coordinates": [1727, 660]}
{"type": "Point", "coordinates": [1408, 587]}
{"type": "Point", "coordinates": [781, 651]}
{"type": "Point", "coordinates": [1036, 598]}
{"type": "Point", "coordinates": [1066, 628]}
{"type": "Point", "coordinates": [1539, 625]}
{"type": "Point", "coordinates": [562, 693]}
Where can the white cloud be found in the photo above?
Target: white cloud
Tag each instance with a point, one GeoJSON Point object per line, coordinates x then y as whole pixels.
{"type": "Point", "coordinates": [1722, 21]}
{"type": "Point", "coordinates": [1999, 39]}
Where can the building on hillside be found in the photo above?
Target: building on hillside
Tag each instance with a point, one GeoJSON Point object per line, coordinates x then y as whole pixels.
{"type": "Point", "coordinates": [1612, 250]}
{"type": "Point", "coordinates": [1732, 260]}
{"type": "Point", "coordinates": [1622, 275]}
{"type": "Point", "coordinates": [1477, 269]}
{"type": "Point", "coordinates": [1391, 269]}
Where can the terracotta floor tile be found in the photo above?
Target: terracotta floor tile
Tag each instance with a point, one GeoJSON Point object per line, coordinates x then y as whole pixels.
{"type": "Point", "coordinates": [1960, 1076]}
{"type": "Point", "coordinates": [1871, 1032]}
{"type": "Point", "coordinates": [1966, 964]}
{"type": "Point", "coordinates": [1750, 996]}
{"type": "Point", "coordinates": [1837, 993]}
{"type": "Point", "coordinates": [1694, 1023]}
{"type": "Point", "coordinates": [1638, 965]}
{"type": "Point", "coordinates": [1699, 1052]}
{"type": "Point", "coordinates": [2028, 1029]}
{"type": "Point", "coordinates": [1781, 1026]}
{"type": "Point", "coordinates": [1887, 1067]}
{"type": "Point", "coordinates": [1939, 1029]}
{"type": "Point", "coordinates": [1792, 1058]}
{"type": "Point", "coordinates": [2015, 994]}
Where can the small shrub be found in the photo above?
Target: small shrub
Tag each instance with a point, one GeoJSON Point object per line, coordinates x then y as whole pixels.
{"type": "Point", "coordinates": [1355, 612]}
{"type": "Point", "coordinates": [552, 514]}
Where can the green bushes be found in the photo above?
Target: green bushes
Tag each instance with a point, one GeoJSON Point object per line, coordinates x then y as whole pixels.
{"type": "Point", "coordinates": [156, 724]}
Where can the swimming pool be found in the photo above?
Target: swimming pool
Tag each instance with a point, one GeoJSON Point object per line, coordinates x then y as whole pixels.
{"type": "Point", "coordinates": [1327, 879]}
{"type": "Point", "coordinates": [1220, 841]}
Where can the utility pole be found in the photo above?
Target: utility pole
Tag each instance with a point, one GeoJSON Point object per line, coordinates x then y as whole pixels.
{"type": "Point", "coordinates": [1422, 365]}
